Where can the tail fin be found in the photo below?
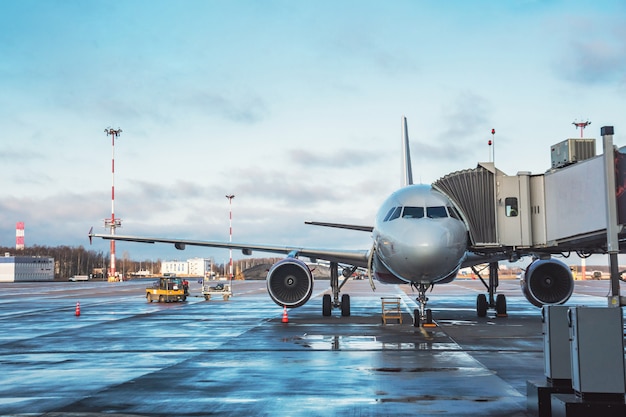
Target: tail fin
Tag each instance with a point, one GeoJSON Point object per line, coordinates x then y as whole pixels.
{"type": "Point", "coordinates": [407, 172]}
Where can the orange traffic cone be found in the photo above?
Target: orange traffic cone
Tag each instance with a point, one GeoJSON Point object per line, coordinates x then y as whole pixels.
{"type": "Point", "coordinates": [285, 318]}
{"type": "Point", "coordinates": [77, 308]}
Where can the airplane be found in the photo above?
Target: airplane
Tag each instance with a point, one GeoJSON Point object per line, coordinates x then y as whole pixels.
{"type": "Point", "coordinates": [419, 237]}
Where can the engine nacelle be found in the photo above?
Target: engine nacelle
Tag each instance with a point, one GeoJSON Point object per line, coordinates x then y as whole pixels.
{"type": "Point", "coordinates": [290, 282]}
{"type": "Point", "coordinates": [547, 282]}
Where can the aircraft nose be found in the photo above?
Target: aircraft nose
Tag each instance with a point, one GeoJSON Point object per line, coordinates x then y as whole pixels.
{"type": "Point", "coordinates": [431, 250]}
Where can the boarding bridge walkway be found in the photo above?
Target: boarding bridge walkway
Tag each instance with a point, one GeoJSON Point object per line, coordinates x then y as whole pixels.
{"type": "Point", "coordinates": [559, 211]}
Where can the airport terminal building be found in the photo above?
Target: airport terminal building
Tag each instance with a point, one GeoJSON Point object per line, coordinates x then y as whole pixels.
{"type": "Point", "coordinates": [26, 268]}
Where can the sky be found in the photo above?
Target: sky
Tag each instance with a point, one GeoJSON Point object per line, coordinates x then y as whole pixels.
{"type": "Point", "coordinates": [294, 107]}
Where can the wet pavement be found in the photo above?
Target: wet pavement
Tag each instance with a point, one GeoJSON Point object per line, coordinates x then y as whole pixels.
{"type": "Point", "coordinates": [124, 356]}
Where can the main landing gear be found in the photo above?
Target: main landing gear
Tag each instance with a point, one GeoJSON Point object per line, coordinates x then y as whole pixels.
{"type": "Point", "coordinates": [422, 314]}
{"type": "Point", "coordinates": [327, 303]}
{"type": "Point", "coordinates": [482, 303]}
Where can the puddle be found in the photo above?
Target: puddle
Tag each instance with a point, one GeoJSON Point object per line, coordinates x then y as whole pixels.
{"type": "Point", "coordinates": [336, 342]}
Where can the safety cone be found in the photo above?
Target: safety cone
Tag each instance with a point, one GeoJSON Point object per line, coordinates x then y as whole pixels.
{"type": "Point", "coordinates": [285, 318]}
{"type": "Point", "coordinates": [77, 308]}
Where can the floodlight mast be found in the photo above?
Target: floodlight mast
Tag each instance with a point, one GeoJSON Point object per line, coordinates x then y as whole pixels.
{"type": "Point", "coordinates": [230, 232]}
{"type": "Point", "coordinates": [581, 126]}
{"type": "Point", "coordinates": [112, 223]}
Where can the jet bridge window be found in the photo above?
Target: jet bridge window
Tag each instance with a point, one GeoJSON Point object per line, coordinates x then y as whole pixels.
{"type": "Point", "coordinates": [413, 212]}
{"type": "Point", "coordinates": [510, 206]}
{"type": "Point", "coordinates": [436, 212]}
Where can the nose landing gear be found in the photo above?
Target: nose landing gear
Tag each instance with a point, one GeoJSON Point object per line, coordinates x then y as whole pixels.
{"type": "Point", "coordinates": [422, 316]}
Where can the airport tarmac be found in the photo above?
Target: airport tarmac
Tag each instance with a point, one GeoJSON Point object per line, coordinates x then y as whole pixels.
{"type": "Point", "coordinates": [124, 356]}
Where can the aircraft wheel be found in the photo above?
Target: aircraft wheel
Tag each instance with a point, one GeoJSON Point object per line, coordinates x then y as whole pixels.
{"type": "Point", "coordinates": [429, 316]}
{"type": "Point", "coordinates": [481, 305]}
{"type": "Point", "coordinates": [416, 318]}
{"type": "Point", "coordinates": [345, 305]}
{"type": "Point", "coordinates": [326, 305]}
{"type": "Point", "coordinates": [501, 305]}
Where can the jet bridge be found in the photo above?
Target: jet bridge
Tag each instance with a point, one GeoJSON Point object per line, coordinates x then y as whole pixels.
{"type": "Point", "coordinates": [496, 207]}
{"type": "Point", "coordinates": [563, 209]}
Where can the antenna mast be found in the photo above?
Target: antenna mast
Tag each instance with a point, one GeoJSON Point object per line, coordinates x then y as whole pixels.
{"type": "Point", "coordinates": [581, 126]}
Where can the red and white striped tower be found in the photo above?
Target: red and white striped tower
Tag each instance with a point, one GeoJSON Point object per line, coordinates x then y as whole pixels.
{"type": "Point", "coordinates": [581, 126]}
{"type": "Point", "coordinates": [112, 223]}
{"type": "Point", "coordinates": [19, 236]}
{"type": "Point", "coordinates": [230, 232]}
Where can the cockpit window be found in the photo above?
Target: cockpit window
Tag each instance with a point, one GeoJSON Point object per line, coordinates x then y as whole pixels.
{"type": "Point", "coordinates": [389, 214]}
{"type": "Point", "coordinates": [409, 212]}
{"type": "Point", "coordinates": [437, 212]}
{"type": "Point", "coordinates": [454, 213]}
{"type": "Point", "coordinates": [413, 212]}
{"type": "Point", "coordinates": [395, 214]}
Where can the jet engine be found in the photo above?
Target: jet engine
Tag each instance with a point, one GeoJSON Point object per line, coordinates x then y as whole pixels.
{"type": "Point", "coordinates": [290, 282]}
{"type": "Point", "coordinates": [547, 282]}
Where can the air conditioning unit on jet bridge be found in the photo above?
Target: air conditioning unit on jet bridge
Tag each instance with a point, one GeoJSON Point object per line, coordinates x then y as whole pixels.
{"type": "Point", "coordinates": [572, 150]}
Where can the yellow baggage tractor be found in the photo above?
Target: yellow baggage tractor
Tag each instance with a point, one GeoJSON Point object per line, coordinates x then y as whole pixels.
{"type": "Point", "coordinates": [166, 290]}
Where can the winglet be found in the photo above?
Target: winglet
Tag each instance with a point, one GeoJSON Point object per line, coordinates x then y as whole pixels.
{"type": "Point", "coordinates": [89, 234]}
{"type": "Point", "coordinates": [407, 172]}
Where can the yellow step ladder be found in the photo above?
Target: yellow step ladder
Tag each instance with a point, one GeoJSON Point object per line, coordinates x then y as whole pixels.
{"type": "Point", "coordinates": [391, 309]}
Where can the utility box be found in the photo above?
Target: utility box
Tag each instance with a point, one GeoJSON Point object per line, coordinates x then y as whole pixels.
{"type": "Point", "coordinates": [597, 349]}
{"type": "Point", "coordinates": [556, 346]}
{"type": "Point", "coordinates": [572, 150]}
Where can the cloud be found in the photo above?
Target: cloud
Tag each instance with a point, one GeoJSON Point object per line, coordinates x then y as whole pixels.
{"type": "Point", "coordinates": [340, 158]}
{"type": "Point", "coordinates": [247, 109]}
{"type": "Point", "coordinates": [593, 53]}
{"type": "Point", "coordinates": [12, 156]}
{"type": "Point", "coordinates": [596, 61]}
{"type": "Point", "coordinates": [464, 125]}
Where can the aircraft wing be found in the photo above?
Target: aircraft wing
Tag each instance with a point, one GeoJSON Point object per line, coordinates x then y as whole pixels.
{"type": "Point", "coordinates": [353, 257]}
{"type": "Point", "coordinates": [343, 226]}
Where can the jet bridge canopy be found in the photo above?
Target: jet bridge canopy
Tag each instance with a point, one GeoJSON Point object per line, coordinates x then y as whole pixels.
{"type": "Point", "coordinates": [473, 192]}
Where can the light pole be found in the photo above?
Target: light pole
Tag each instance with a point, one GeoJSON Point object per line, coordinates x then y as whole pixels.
{"type": "Point", "coordinates": [230, 240]}
{"type": "Point", "coordinates": [112, 223]}
{"type": "Point", "coordinates": [581, 126]}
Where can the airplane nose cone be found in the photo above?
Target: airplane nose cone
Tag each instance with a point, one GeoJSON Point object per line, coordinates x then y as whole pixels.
{"type": "Point", "coordinates": [429, 250]}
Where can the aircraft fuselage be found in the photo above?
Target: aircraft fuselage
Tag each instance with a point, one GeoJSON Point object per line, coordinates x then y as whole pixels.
{"type": "Point", "coordinates": [419, 237]}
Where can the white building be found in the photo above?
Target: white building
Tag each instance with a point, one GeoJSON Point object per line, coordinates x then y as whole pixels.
{"type": "Point", "coordinates": [196, 267]}
{"type": "Point", "coordinates": [175, 267]}
{"type": "Point", "coordinates": [26, 268]}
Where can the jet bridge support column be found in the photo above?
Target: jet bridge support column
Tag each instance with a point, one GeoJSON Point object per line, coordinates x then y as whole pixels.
{"type": "Point", "coordinates": [612, 228]}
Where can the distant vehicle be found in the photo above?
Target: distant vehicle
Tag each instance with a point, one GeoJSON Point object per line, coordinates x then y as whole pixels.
{"type": "Point", "coordinates": [166, 290]}
{"type": "Point", "coordinates": [219, 290]}
{"type": "Point", "coordinates": [79, 278]}
{"type": "Point", "coordinates": [596, 275]}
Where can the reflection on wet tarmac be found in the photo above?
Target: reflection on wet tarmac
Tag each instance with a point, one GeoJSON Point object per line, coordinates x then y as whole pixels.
{"type": "Point", "coordinates": [126, 356]}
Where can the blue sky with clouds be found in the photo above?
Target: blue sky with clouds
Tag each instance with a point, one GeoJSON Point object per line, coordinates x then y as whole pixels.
{"type": "Point", "coordinates": [292, 106]}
